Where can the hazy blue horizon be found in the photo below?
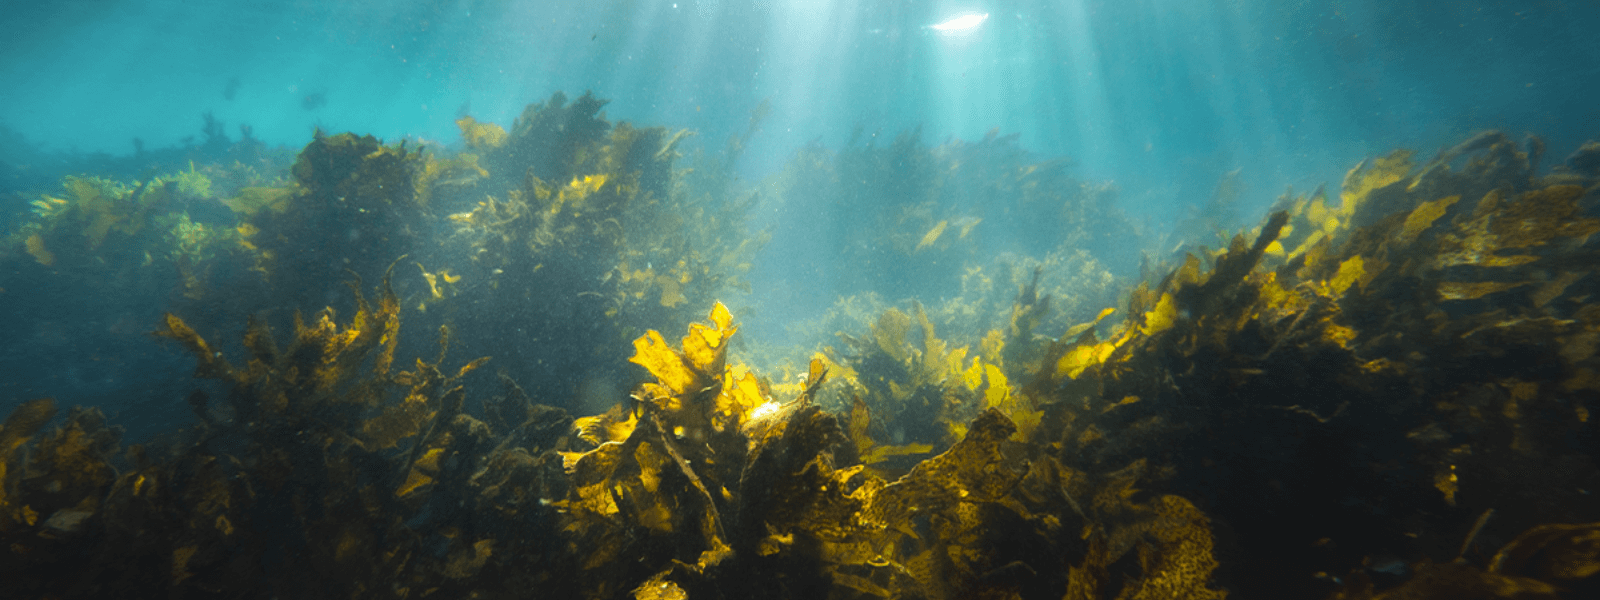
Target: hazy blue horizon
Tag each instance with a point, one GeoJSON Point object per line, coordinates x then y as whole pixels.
{"type": "Point", "coordinates": [1161, 97]}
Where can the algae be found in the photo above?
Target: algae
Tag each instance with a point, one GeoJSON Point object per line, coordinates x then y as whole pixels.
{"type": "Point", "coordinates": [1382, 392]}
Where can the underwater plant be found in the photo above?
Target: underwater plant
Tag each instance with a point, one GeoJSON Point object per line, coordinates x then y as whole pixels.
{"type": "Point", "coordinates": [1431, 354]}
{"type": "Point", "coordinates": [99, 230]}
{"type": "Point", "coordinates": [597, 210]}
{"type": "Point", "coordinates": [1386, 396]}
{"type": "Point", "coordinates": [913, 218]}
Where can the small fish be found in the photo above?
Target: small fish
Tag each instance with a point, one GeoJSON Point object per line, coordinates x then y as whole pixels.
{"type": "Point", "coordinates": [965, 224]}
{"type": "Point", "coordinates": [932, 236]}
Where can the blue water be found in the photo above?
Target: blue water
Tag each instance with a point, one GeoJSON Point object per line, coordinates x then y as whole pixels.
{"type": "Point", "coordinates": [1161, 97]}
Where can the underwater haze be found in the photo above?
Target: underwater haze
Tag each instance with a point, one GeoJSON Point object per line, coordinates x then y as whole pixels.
{"type": "Point", "coordinates": [1012, 299]}
{"type": "Point", "coordinates": [1163, 98]}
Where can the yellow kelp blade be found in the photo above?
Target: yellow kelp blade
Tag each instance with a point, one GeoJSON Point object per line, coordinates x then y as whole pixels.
{"type": "Point", "coordinates": [870, 451]}
{"type": "Point", "coordinates": [652, 352]}
{"type": "Point", "coordinates": [1076, 330]}
{"type": "Point", "coordinates": [481, 136]}
{"type": "Point", "coordinates": [614, 425]}
{"type": "Point", "coordinates": [740, 396]}
{"type": "Point", "coordinates": [1161, 317]}
{"type": "Point", "coordinates": [705, 345]}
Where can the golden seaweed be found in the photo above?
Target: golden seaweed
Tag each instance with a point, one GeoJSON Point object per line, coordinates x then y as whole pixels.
{"type": "Point", "coordinates": [35, 245]}
{"type": "Point", "coordinates": [1338, 393]}
{"type": "Point", "coordinates": [481, 136]}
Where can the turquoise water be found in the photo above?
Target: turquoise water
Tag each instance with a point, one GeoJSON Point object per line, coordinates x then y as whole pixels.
{"type": "Point", "coordinates": [1162, 100]}
{"type": "Point", "coordinates": [1161, 96]}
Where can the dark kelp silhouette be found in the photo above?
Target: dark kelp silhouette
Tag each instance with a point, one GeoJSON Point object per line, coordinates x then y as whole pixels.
{"type": "Point", "coordinates": [1384, 396]}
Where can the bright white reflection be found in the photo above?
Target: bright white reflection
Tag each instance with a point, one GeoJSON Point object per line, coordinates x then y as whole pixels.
{"type": "Point", "coordinates": [765, 410]}
{"type": "Point", "coordinates": [961, 23]}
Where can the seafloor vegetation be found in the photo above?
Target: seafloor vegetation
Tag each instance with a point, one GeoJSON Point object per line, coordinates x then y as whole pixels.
{"type": "Point", "coordinates": [1385, 392]}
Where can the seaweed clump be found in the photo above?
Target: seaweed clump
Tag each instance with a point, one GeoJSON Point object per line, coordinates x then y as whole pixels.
{"type": "Point", "coordinates": [568, 226]}
{"type": "Point", "coordinates": [286, 484]}
{"type": "Point", "coordinates": [1387, 398]}
{"type": "Point", "coordinates": [315, 480]}
{"type": "Point", "coordinates": [1363, 386]}
{"type": "Point", "coordinates": [967, 228]}
{"type": "Point", "coordinates": [911, 218]}
{"type": "Point", "coordinates": [595, 210]}
{"type": "Point", "coordinates": [353, 206]}
{"type": "Point", "coordinates": [96, 229]}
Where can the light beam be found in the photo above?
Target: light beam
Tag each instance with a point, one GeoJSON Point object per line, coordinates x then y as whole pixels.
{"type": "Point", "coordinates": [961, 23]}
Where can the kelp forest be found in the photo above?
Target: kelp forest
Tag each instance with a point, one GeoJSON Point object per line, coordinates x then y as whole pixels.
{"type": "Point", "coordinates": [510, 366]}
